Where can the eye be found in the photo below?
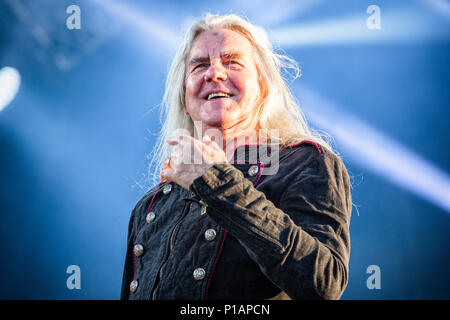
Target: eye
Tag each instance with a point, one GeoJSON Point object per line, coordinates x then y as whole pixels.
{"type": "Point", "coordinates": [199, 66]}
{"type": "Point", "coordinates": [233, 63]}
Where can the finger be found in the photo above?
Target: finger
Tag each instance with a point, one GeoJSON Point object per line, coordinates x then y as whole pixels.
{"type": "Point", "coordinates": [167, 161]}
{"type": "Point", "coordinates": [181, 139]}
{"type": "Point", "coordinates": [204, 144]}
{"type": "Point", "coordinates": [206, 141]}
{"type": "Point", "coordinates": [167, 175]}
{"type": "Point", "coordinates": [167, 166]}
{"type": "Point", "coordinates": [214, 145]}
{"type": "Point", "coordinates": [173, 140]}
{"type": "Point", "coordinates": [177, 138]}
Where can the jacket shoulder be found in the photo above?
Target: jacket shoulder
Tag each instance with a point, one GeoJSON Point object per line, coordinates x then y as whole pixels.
{"type": "Point", "coordinates": [311, 151]}
{"type": "Point", "coordinates": [311, 159]}
{"type": "Point", "coordinates": [302, 155]}
{"type": "Point", "coordinates": [305, 144]}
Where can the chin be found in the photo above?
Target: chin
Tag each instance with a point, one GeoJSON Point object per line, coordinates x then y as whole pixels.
{"type": "Point", "coordinates": [218, 116]}
{"type": "Point", "coordinates": [215, 122]}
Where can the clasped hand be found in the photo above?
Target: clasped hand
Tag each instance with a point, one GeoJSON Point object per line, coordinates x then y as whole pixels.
{"type": "Point", "coordinates": [190, 158]}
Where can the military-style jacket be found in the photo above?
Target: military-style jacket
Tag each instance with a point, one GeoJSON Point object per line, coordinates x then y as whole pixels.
{"type": "Point", "coordinates": [239, 233]}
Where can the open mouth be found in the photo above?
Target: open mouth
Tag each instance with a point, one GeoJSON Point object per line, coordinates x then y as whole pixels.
{"type": "Point", "coordinates": [217, 95]}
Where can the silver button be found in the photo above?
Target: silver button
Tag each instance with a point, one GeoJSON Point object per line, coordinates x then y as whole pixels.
{"type": "Point", "coordinates": [133, 286]}
{"type": "Point", "coordinates": [199, 273]}
{"type": "Point", "coordinates": [210, 234]}
{"type": "Point", "coordinates": [150, 217]}
{"type": "Point", "coordinates": [138, 250]}
{"type": "Point", "coordinates": [167, 188]}
{"type": "Point", "coordinates": [253, 170]}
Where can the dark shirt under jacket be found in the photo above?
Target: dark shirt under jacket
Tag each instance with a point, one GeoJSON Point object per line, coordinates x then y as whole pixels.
{"type": "Point", "coordinates": [279, 236]}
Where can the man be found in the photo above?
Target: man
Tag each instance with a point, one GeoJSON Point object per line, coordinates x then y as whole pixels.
{"type": "Point", "coordinates": [226, 222]}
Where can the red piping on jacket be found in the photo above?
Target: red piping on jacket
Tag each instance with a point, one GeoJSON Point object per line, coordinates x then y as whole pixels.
{"type": "Point", "coordinates": [142, 228]}
{"type": "Point", "coordinates": [261, 167]}
{"type": "Point", "coordinates": [214, 264]}
{"type": "Point", "coordinates": [305, 141]}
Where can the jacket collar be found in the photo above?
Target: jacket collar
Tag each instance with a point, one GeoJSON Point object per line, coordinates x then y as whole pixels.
{"type": "Point", "coordinates": [256, 153]}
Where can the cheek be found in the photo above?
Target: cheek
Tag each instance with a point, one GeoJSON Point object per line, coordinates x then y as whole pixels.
{"type": "Point", "coordinates": [192, 88]}
{"type": "Point", "coordinates": [250, 88]}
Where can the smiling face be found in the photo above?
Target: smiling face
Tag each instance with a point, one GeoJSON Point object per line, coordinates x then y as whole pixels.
{"type": "Point", "coordinates": [221, 80]}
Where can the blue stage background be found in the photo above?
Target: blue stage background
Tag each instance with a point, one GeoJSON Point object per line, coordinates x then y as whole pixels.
{"type": "Point", "coordinates": [74, 142]}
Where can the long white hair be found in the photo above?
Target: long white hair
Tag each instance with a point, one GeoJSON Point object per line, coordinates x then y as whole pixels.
{"type": "Point", "coordinates": [278, 108]}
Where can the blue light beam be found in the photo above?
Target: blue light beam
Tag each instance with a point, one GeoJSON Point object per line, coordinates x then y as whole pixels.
{"type": "Point", "coordinates": [376, 151]}
{"type": "Point", "coordinates": [407, 25]}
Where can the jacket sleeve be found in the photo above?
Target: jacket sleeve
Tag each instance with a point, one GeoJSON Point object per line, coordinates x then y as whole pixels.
{"type": "Point", "coordinates": [303, 245]}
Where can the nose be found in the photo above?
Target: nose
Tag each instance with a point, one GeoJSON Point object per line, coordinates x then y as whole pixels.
{"type": "Point", "coordinates": [216, 72]}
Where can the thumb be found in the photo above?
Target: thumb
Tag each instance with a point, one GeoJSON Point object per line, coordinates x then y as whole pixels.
{"type": "Point", "coordinates": [166, 175]}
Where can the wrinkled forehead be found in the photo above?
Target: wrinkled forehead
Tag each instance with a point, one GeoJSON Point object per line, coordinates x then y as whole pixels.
{"type": "Point", "coordinates": [217, 42]}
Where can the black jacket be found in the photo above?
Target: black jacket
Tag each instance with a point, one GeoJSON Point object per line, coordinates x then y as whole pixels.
{"type": "Point", "coordinates": [278, 236]}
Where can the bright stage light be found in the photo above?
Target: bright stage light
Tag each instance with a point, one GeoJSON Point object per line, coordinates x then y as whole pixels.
{"type": "Point", "coordinates": [9, 85]}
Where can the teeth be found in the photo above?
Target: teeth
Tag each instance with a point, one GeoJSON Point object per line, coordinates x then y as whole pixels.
{"type": "Point", "coordinates": [219, 94]}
